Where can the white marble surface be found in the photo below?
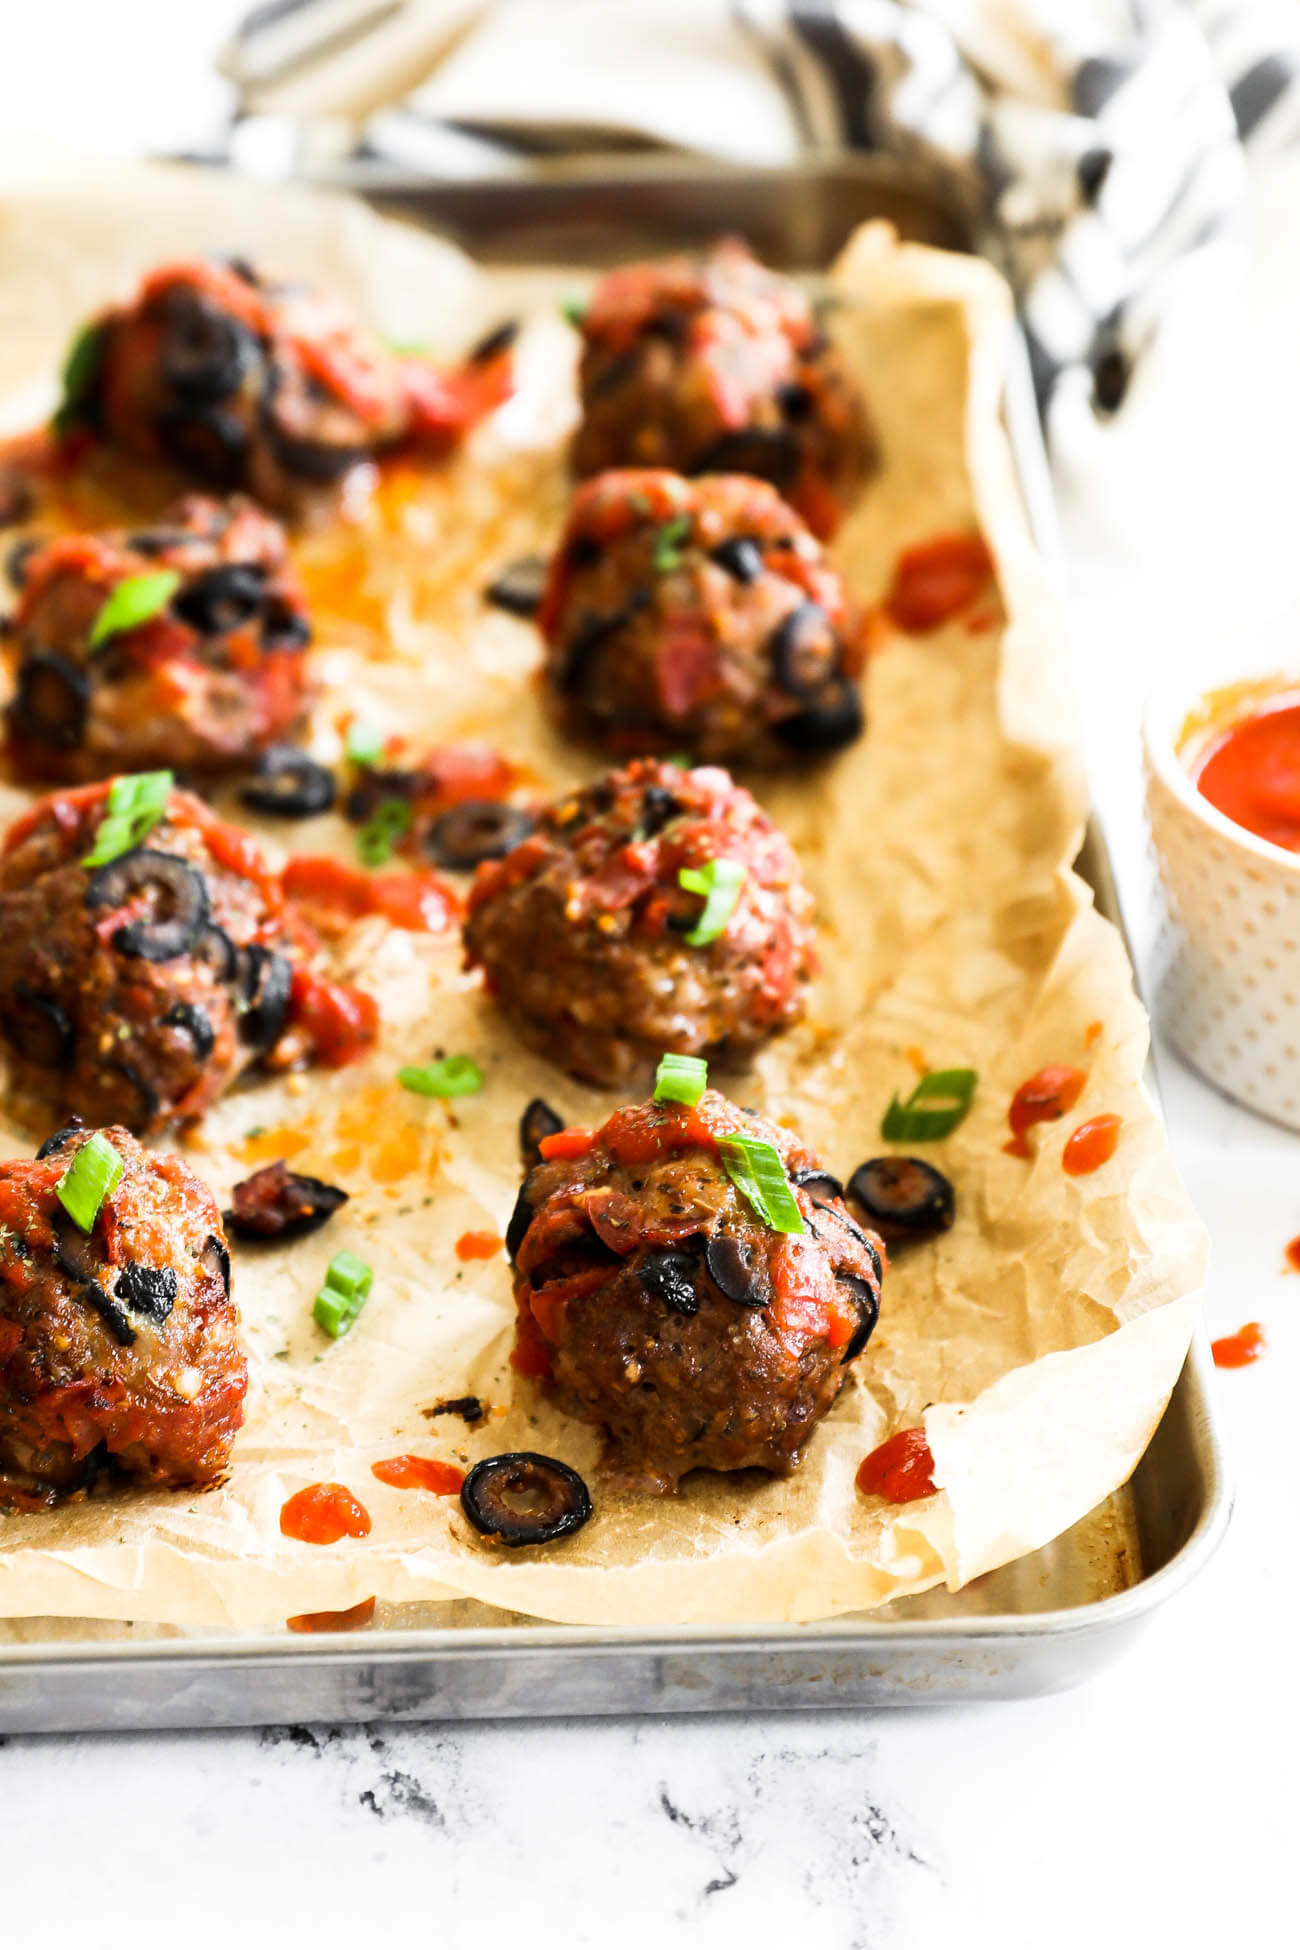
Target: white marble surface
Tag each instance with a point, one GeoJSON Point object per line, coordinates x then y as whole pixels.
{"type": "Point", "coordinates": [1161, 1798]}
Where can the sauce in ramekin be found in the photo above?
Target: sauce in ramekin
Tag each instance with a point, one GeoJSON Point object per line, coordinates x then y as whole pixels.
{"type": "Point", "coordinates": [1250, 771]}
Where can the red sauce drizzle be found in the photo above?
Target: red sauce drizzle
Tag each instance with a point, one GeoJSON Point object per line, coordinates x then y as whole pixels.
{"type": "Point", "coordinates": [1252, 774]}
{"type": "Point", "coordinates": [1041, 1099]}
{"type": "Point", "coordinates": [1293, 1255]}
{"type": "Point", "coordinates": [936, 580]}
{"type": "Point", "coordinates": [1240, 1349]}
{"type": "Point", "coordinates": [567, 1144]}
{"type": "Point", "coordinates": [1092, 1145]}
{"type": "Point", "coordinates": [901, 1469]}
{"type": "Point", "coordinates": [419, 1473]}
{"type": "Point", "coordinates": [478, 1245]}
{"type": "Point", "coordinates": [322, 1513]}
{"type": "Point", "coordinates": [417, 901]}
{"type": "Point", "coordinates": [340, 1021]}
{"type": "Point", "coordinates": [334, 1621]}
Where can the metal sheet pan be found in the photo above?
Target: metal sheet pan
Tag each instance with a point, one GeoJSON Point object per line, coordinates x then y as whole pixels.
{"type": "Point", "coordinates": [1040, 1624]}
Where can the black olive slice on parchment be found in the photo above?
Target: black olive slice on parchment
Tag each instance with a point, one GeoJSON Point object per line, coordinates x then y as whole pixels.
{"type": "Point", "coordinates": [276, 1203]}
{"type": "Point", "coordinates": [289, 785]}
{"type": "Point", "coordinates": [903, 1198]}
{"type": "Point", "coordinates": [477, 830]}
{"type": "Point", "coordinates": [523, 1498]}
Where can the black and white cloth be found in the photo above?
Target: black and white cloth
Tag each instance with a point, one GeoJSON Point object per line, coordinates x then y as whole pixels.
{"type": "Point", "coordinates": [1102, 145]}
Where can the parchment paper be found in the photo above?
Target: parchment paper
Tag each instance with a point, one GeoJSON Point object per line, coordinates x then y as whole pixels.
{"type": "Point", "coordinates": [1038, 1340]}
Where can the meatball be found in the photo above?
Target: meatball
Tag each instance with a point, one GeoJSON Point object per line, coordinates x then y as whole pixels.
{"type": "Point", "coordinates": [653, 1301]}
{"type": "Point", "coordinates": [720, 367]}
{"type": "Point", "coordinates": [119, 1346]}
{"type": "Point", "coordinates": [210, 674]}
{"type": "Point", "coordinates": [137, 991]}
{"type": "Point", "coordinates": [243, 381]}
{"type": "Point", "coordinates": [699, 614]}
{"type": "Point", "coordinates": [603, 958]}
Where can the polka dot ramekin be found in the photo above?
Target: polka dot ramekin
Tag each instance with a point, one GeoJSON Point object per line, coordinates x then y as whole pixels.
{"type": "Point", "coordinates": [1227, 984]}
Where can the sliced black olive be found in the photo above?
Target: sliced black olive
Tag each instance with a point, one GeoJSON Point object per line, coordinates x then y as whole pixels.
{"type": "Point", "coordinates": [375, 786]}
{"type": "Point", "coordinates": [584, 551]}
{"type": "Point", "coordinates": [668, 1276]}
{"type": "Point", "coordinates": [265, 979]}
{"type": "Point", "coordinates": [523, 1498]}
{"type": "Point", "coordinates": [110, 1311]}
{"type": "Point", "coordinates": [538, 1121]}
{"type": "Point", "coordinates": [592, 632]}
{"type": "Point", "coordinates": [659, 805]}
{"type": "Point", "coordinates": [868, 1307]}
{"type": "Point", "coordinates": [794, 400]}
{"type": "Point", "coordinates": [605, 374]}
{"type": "Point", "coordinates": [289, 785]}
{"type": "Point", "coordinates": [37, 1026]}
{"type": "Point", "coordinates": [215, 1260]}
{"type": "Point", "coordinates": [283, 626]}
{"type": "Point", "coordinates": [222, 599]}
{"type": "Point", "coordinates": [53, 698]}
{"type": "Point", "coordinates": [468, 1407]}
{"type": "Point", "coordinates": [207, 441]}
{"type": "Point", "coordinates": [147, 1101]}
{"type": "Point", "coordinates": [477, 829]}
{"type": "Point", "coordinates": [520, 1220]}
{"type": "Point", "coordinates": [79, 1257]}
{"type": "Point", "coordinates": [215, 950]}
{"type": "Point", "coordinates": [206, 352]}
{"type": "Point", "coordinates": [738, 1268]}
{"type": "Point", "coordinates": [740, 556]}
{"type": "Point", "coordinates": [835, 721]}
{"type": "Point", "coordinates": [276, 1203]}
{"type": "Point", "coordinates": [805, 651]}
{"type": "Point", "coordinates": [904, 1198]}
{"type": "Point", "coordinates": [148, 1290]}
{"type": "Point", "coordinates": [520, 586]}
{"type": "Point", "coordinates": [17, 558]}
{"type": "Point", "coordinates": [493, 343]}
{"type": "Point", "coordinates": [194, 1022]}
{"type": "Point", "coordinates": [57, 1139]}
{"type": "Point", "coordinates": [156, 541]}
{"type": "Point", "coordinates": [772, 453]}
{"type": "Point", "coordinates": [183, 906]}
{"type": "Point", "coordinates": [241, 268]}
{"type": "Point", "coordinates": [292, 403]}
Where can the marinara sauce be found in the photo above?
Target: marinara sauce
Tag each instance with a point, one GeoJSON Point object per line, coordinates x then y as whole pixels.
{"type": "Point", "coordinates": [1251, 773]}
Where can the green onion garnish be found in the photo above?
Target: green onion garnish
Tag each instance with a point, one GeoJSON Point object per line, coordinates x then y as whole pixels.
{"type": "Point", "coordinates": [720, 882]}
{"type": "Point", "coordinates": [344, 1294]}
{"type": "Point", "coordinates": [377, 838]}
{"type": "Point", "coordinates": [136, 803]}
{"type": "Point", "coordinates": [681, 1080]}
{"type": "Point", "coordinates": [682, 760]}
{"type": "Point", "coordinates": [668, 544]}
{"type": "Point", "coordinates": [446, 1076]}
{"type": "Point", "coordinates": [89, 1179]}
{"type": "Point", "coordinates": [936, 1107]}
{"type": "Point", "coordinates": [755, 1169]}
{"type": "Point", "coordinates": [134, 601]}
{"type": "Point", "coordinates": [79, 370]}
{"type": "Point", "coordinates": [575, 310]}
{"type": "Point", "coordinates": [365, 743]}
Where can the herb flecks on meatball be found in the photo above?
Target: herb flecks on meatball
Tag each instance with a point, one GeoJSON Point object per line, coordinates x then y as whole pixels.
{"type": "Point", "coordinates": [119, 1339]}
{"type": "Point", "coordinates": [240, 380]}
{"type": "Point", "coordinates": [720, 367]}
{"type": "Point", "coordinates": [654, 1301]}
{"type": "Point", "coordinates": [656, 909]}
{"type": "Point", "coordinates": [699, 616]}
{"type": "Point", "coordinates": [135, 989]}
{"type": "Point", "coordinates": [178, 645]}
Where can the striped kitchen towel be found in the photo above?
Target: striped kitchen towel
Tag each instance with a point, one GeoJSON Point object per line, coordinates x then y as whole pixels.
{"type": "Point", "coordinates": [1101, 144]}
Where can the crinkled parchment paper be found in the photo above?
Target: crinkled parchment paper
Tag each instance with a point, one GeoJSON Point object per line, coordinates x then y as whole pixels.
{"type": "Point", "coordinates": [1038, 1339]}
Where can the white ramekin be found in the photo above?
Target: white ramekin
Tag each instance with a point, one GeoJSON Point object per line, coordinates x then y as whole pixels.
{"type": "Point", "coordinates": [1227, 986]}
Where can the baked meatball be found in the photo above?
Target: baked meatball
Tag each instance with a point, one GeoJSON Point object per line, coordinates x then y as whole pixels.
{"type": "Point", "coordinates": [600, 955]}
{"type": "Point", "coordinates": [119, 1346]}
{"type": "Point", "coordinates": [243, 381]}
{"type": "Point", "coordinates": [699, 614]}
{"type": "Point", "coordinates": [211, 674]}
{"type": "Point", "coordinates": [136, 991]}
{"type": "Point", "coordinates": [653, 1301]}
{"type": "Point", "coordinates": [720, 367]}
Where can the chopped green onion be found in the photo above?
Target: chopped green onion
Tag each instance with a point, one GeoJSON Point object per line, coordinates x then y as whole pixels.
{"type": "Point", "coordinates": [136, 802]}
{"type": "Point", "coordinates": [409, 348]}
{"type": "Point", "coordinates": [681, 1080]}
{"type": "Point", "coordinates": [365, 743]}
{"type": "Point", "coordinates": [755, 1169]}
{"type": "Point", "coordinates": [381, 832]}
{"type": "Point", "coordinates": [89, 1179]}
{"type": "Point", "coordinates": [79, 370]}
{"type": "Point", "coordinates": [575, 310]}
{"type": "Point", "coordinates": [935, 1108]}
{"type": "Point", "coordinates": [344, 1294]}
{"type": "Point", "coordinates": [720, 882]}
{"type": "Point", "coordinates": [668, 544]}
{"type": "Point", "coordinates": [446, 1076]}
{"type": "Point", "coordinates": [682, 760]}
{"type": "Point", "coordinates": [135, 600]}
